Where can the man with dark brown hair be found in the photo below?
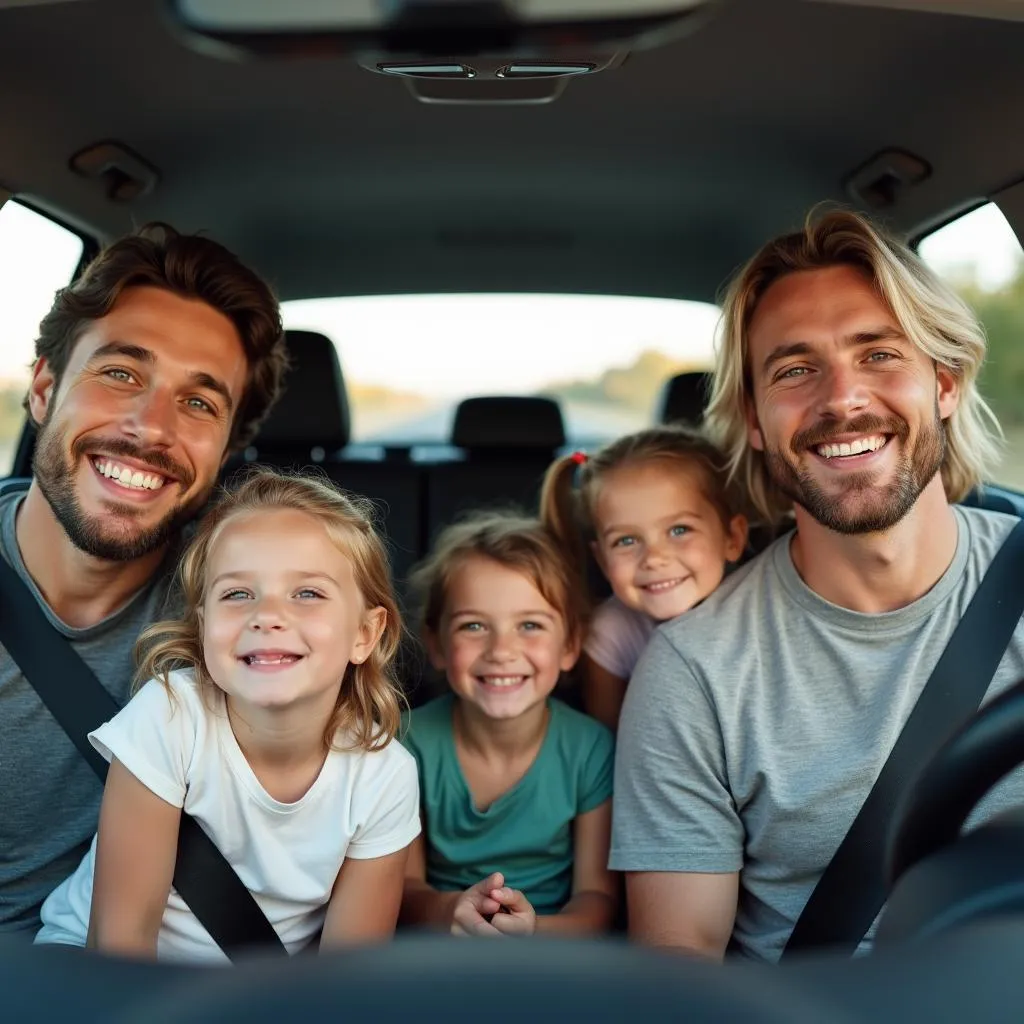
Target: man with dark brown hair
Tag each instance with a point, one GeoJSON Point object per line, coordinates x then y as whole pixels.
{"type": "Point", "coordinates": [162, 358]}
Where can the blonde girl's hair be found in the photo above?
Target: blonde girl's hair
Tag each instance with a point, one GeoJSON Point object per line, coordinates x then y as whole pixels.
{"type": "Point", "coordinates": [928, 312]}
{"type": "Point", "coordinates": [573, 482]}
{"type": "Point", "coordinates": [513, 540]}
{"type": "Point", "coordinates": [369, 702]}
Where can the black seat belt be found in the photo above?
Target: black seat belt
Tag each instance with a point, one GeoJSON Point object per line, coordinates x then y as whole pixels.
{"type": "Point", "coordinates": [851, 892]}
{"type": "Point", "coordinates": [79, 703]}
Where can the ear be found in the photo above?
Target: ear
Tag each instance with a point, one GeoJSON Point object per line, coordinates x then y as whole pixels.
{"type": "Point", "coordinates": [41, 390]}
{"type": "Point", "coordinates": [736, 538]}
{"type": "Point", "coordinates": [947, 390]}
{"type": "Point", "coordinates": [434, 651]}
{"type": "Point", "coordinates": [370, 631]}
{"type": "Point", "coordinates": [754, 435]}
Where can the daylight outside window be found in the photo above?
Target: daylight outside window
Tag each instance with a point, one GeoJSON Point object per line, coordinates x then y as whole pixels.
{"type": "Point", "coordinates": [409, 359]}
{"type": "Point", "coordinates": [980, 256]}
{"type": "Point", "coordinates": [37, 257]}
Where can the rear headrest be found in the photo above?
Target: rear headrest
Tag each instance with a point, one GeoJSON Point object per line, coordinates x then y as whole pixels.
{"type": "Point", "coordinates": [508, 422]}
{"type": "Point", "coordinates": [313, 409]}
{"type": "Point", "coordinates": [685, 397]}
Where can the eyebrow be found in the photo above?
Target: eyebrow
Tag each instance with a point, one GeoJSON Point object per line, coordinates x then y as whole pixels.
{"type": "Point", "coordinates": [870, 336]}
{"type": "Point", "coordinates": [469, 611]}
{"type": "Point", "coordinates": [144, 355]}
{"type": "Point", "coordinates": [242, 575]}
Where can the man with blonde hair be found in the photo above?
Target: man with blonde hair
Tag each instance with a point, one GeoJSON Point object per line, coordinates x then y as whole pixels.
{"type": "Point", "coordinates": [756, 725]}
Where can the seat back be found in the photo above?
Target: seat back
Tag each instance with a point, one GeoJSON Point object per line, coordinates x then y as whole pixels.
{"type": "Point", "coordinates": [310, 427]}
{"type": "Point", "coordinates": [684, 398]}
{"type": "Point", "coordinates": [506, 445]}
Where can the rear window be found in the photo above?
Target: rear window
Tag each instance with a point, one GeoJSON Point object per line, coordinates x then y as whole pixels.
{"type": "Point", "coordinates": [409, 359]}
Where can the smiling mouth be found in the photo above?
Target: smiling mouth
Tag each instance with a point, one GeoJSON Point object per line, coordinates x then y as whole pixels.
{"type": "Point", "coordinates": [501, 682]}
{"type": "Point", "coordinates": [846, 449]}
{"type": "Point", "coordinates": [129, 478]}
{"type": "Point", "coordinates": [662, 585]}
{"type": "Point", "coordinates": [270, 658]}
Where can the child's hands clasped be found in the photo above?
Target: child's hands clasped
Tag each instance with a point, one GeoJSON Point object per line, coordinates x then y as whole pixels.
{"type": "Point", "coordinates": [488, 908]}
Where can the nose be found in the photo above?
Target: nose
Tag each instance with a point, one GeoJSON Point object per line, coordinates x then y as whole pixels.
{"type": "Point", "coordinates": [151, 419]}
{"type": "Point", "coordinates": [267, 615]}
{"type": "Point", "coordinates": [843, 392]}
{"type": "Point", "coordinates": [654, 554]}
{"type": "Point", "coordinates": [503, 647]}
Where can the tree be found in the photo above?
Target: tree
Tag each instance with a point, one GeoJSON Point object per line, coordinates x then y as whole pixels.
{"type": "Point", "coordinates": [1002, 378]}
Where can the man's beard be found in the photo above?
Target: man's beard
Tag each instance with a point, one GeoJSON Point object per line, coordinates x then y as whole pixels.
{"type": "Point", "coordinates": [116, 535]}
{"type": "Point", "coordinates": [875, 508]}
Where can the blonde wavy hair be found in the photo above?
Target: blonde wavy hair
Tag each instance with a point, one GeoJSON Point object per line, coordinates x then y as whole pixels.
{"type": "Point", "coordinates": [369, 701]}
{"type": "Point", "coordinates": [928, 312]}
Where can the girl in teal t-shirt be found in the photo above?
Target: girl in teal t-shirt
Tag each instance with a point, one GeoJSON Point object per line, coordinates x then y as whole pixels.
{"type": "Point", "coordinates": [515, 785]}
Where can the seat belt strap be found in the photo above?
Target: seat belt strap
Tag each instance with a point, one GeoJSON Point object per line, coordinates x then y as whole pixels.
{"type": "Point", "coordinates": [852, 891]}
{"type": "Point", "coordinates": [79, 702]}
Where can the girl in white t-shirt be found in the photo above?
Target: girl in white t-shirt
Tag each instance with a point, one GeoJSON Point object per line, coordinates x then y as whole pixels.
{"type": "Point", "coordinates": [269, 716]}
{"type": "Point", "coordinates": [655, 511]}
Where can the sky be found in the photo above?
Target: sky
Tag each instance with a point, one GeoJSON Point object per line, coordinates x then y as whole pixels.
{"type": "Point", "coordinates": [453, 345]}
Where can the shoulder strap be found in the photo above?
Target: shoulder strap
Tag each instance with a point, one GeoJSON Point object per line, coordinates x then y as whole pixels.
{"type": "Point", "coordinates": [851, 892]}
{"type": "Point", "coordinates": [79, 703]}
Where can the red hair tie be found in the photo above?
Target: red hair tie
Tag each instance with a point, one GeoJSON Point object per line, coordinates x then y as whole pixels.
{"type": "Point", "coordinates": [579, 458]}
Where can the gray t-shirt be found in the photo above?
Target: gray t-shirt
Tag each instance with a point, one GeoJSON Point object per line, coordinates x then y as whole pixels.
{"type": "Point", "coordinates": [755, 725]}
{"type": "Point", "coordinates": [49, 796]}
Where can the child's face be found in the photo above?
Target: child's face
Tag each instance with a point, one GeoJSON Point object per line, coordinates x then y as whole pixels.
{"type": "Point", "coordinates": [283, 617]}
{"type": "Point", "coordinates": [500, 643]}
{"type": "Point", "coordinates": [660, 543]}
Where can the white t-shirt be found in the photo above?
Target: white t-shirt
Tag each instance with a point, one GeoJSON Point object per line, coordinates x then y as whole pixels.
{"type": "Point", "coordinates": [617, 637]}
{"type": "Point", "coordinates": [362, 805]}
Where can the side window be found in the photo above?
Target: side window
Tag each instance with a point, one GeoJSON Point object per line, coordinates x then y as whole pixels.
{"type": "Point", "coordinates": [980, 256]}
{"type": "Point", "coordinates": [37, 257]}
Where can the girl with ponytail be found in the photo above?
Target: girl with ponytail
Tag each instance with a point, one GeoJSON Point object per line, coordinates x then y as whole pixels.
{"type": "Point", "coordinates": [655, 512]}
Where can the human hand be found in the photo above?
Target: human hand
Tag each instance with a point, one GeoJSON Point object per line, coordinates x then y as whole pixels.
{"type": "Point", "coordinates": [517, 916]}
{"type": "Point", "coordinates": [475, 905]}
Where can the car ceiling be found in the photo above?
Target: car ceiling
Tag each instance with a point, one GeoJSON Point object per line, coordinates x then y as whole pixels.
{"type": "Point", "coordinates": [657, 177]}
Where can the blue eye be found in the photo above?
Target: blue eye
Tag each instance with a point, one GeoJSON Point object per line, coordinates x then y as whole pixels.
{"type": "Point", "coordinates": [470, 627]}
{"type": "Point", "coordinates": [309, 592]}
{"type": "Point", "coordinates": [201, 404]}
{"type": "Point", "coordinates": [678, 530]}
{"type": "Point", "coordinates": [235, 595]}
{"type": "Point", "coordinates": [531, 626]}
{"type": "Point", "coordinates": [116, 373]}
{"type": "Point", "coordinates": [623, 542]}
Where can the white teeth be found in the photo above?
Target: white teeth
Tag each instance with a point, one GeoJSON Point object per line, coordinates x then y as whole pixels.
{"type": "Point", "coordinates": [503, 680]}
{"type": "Point", "coordinates": [663, 585]}
{"type": "Point", "coordinates": [129, 478]}
{"type": "Point", "coordinates": [864, 444]}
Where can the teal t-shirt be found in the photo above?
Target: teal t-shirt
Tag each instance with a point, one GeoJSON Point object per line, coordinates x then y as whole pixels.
{"type": "Point", "coordinates": [527, 833]}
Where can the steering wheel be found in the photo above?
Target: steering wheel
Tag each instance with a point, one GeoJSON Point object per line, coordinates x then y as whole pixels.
{"type": "Point", "coordinates": [937, 879]}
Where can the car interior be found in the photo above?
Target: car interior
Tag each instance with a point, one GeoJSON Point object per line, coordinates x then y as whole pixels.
{"type": "Point", "coordinates": [640, 149]}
